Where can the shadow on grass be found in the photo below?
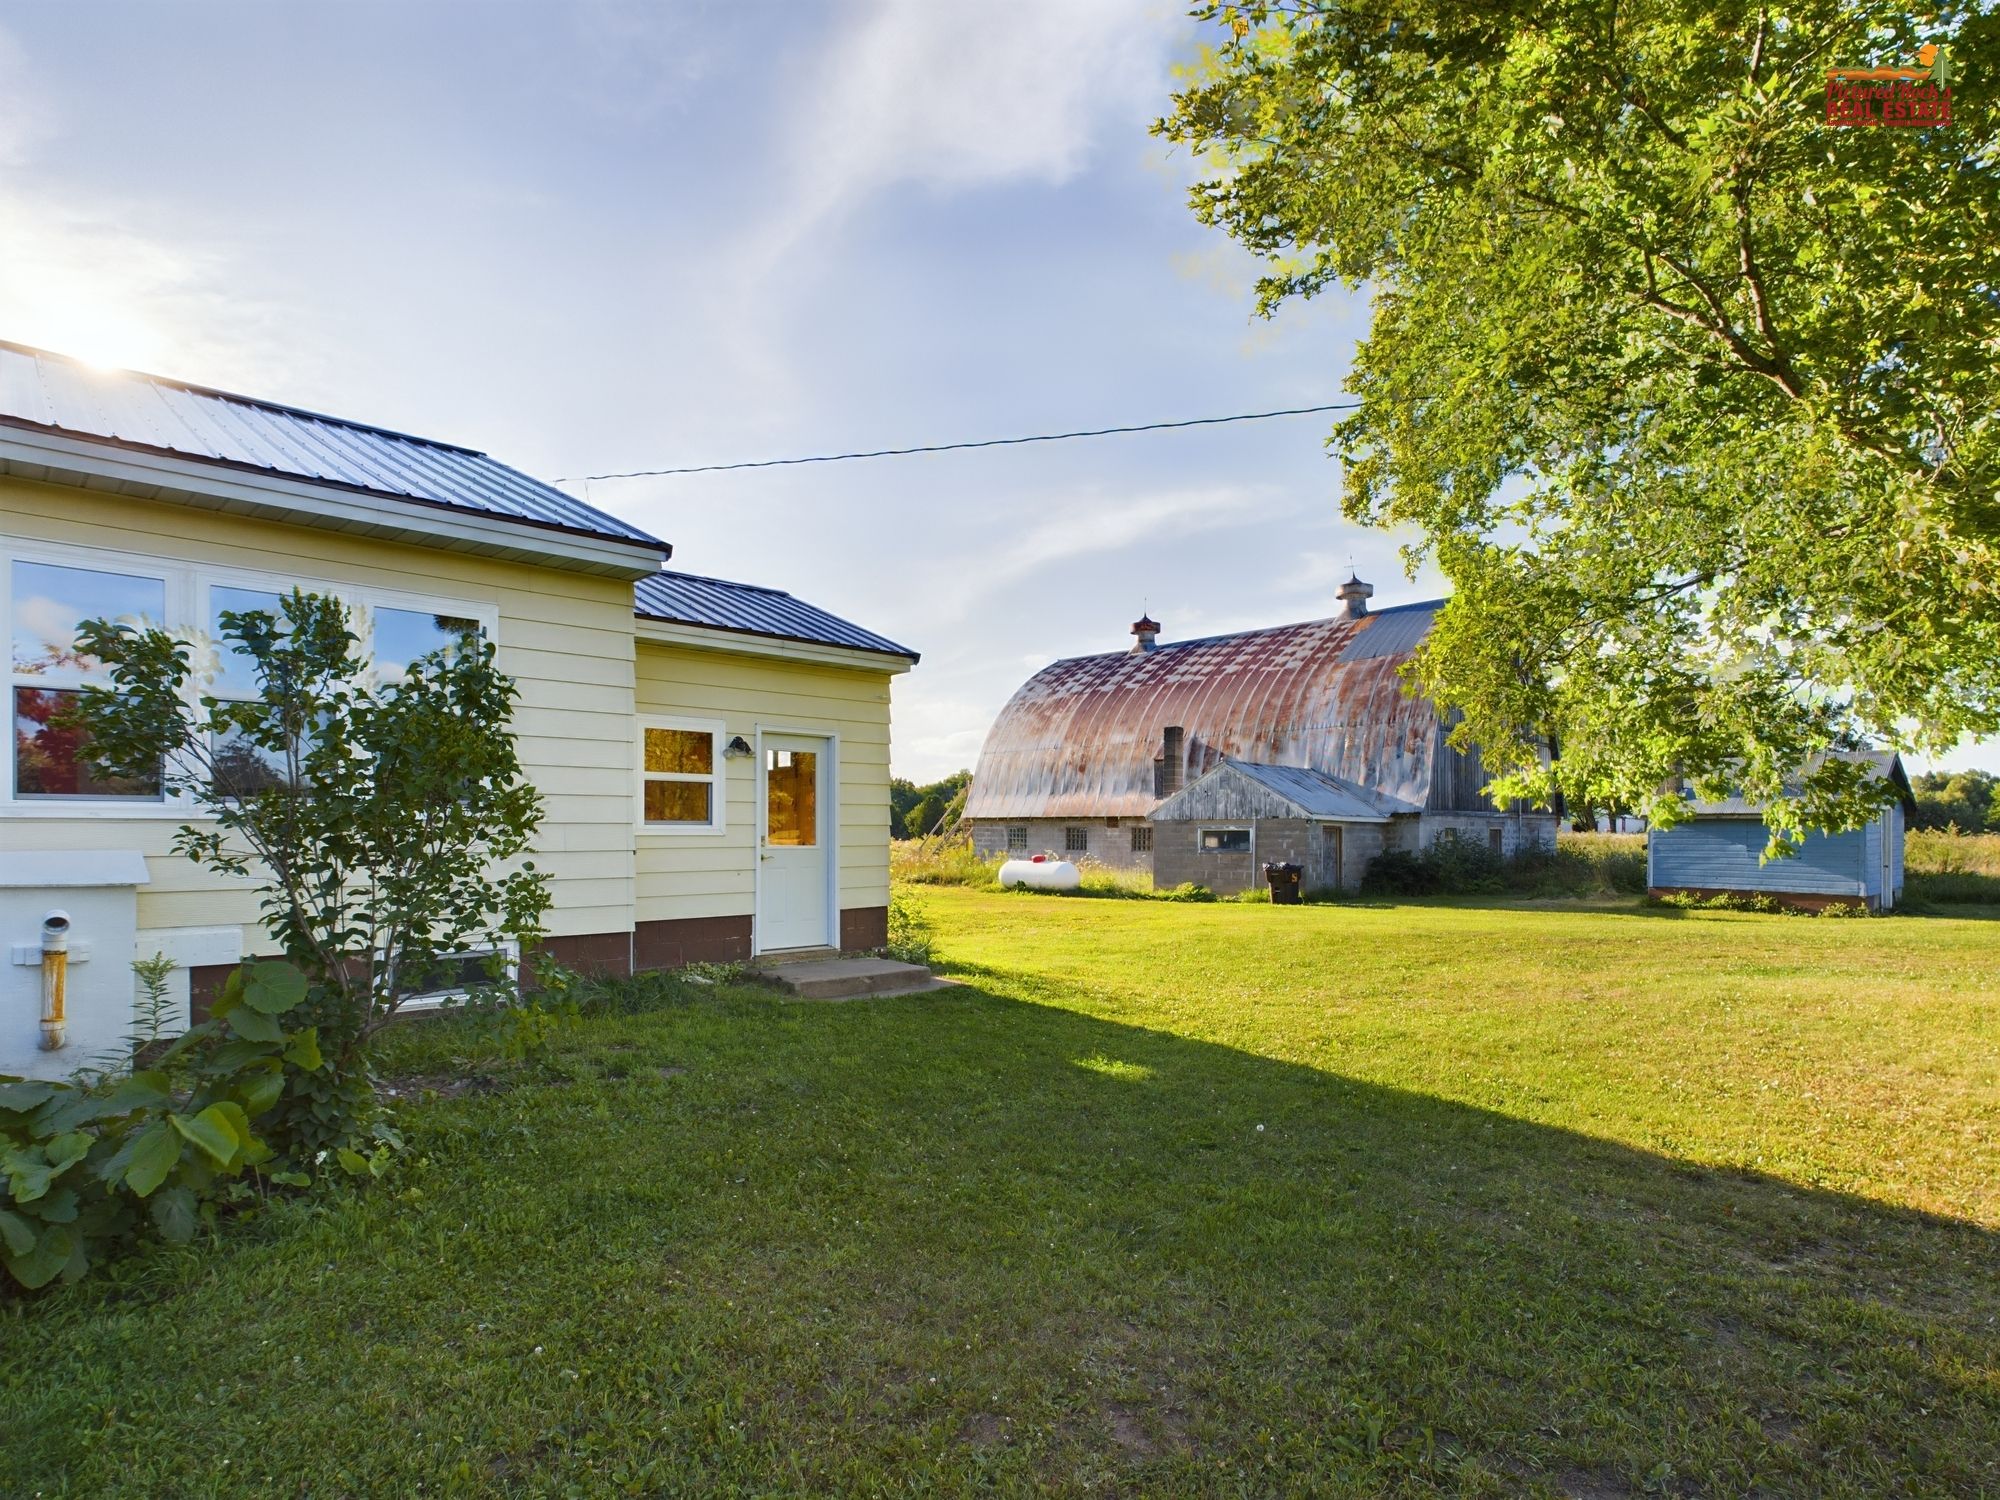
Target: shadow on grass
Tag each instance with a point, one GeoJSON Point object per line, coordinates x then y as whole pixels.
{"type": "Point", "coordinates": [970, 1240]}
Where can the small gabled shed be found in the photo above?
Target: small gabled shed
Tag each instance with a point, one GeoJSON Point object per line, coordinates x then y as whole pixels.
{"type": "Point", "coordinates": [1719, 850]}
{"type": "Point", "coordinates": [1221, 830]}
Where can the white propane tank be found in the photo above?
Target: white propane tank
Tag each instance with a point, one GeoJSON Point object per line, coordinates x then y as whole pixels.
{"type": "Point", "coordinates": [1040, 874]}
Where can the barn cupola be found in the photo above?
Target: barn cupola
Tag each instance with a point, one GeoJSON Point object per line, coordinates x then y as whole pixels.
{"type": "Point", "coordinates": [1145, 632]}
{"type": "Point", "coordinates": [1354, 597]}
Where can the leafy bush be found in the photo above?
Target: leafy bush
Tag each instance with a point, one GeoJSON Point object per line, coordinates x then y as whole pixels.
{"type": "Point", "coordinates": [912, 936]}
{"type": "Point", "coordinates": [375, 821]}
{"type": "Point", "coordinates": [1400, 872]}
{"type": "Point", "coordinates": [92, 1168]}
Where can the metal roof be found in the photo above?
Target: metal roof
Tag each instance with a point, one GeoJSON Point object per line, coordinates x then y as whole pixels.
{"type": "Point", "coordinates": [149, 412]}
{"type": "Point", "coordinates": [689, 599]}
{"type": "Point", "coordinates": [1887, 765]}
{"type": "Point", "coordinates": [1306, 793]}
{"type": "Point", "coordinates": [1080, 737]}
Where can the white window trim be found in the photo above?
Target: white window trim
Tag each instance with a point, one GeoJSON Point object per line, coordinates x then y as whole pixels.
{"type": "Point", "coordinates": [718, 797]}
{"type": "Point", "coordinates": [1202, 831]}
{"type": "Point", "coordinates": [187, 597]}
{"type": "Point", "coordinates": [433, 999]}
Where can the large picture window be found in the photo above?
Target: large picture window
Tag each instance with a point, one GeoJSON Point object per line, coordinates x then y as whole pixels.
{"type": "Point", "coordinates": [48, 589]}
{"type": "Point", "coordinates": [680, 776]}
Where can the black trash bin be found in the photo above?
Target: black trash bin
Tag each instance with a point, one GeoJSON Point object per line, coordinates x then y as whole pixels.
{"type": "Point", "coordinates": [1284, 882]}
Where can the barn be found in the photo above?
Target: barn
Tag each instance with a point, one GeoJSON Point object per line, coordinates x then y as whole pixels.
{"type": "Point", "coordinates": [1718, 850]}
{"type": "Point", "coordinates": [1199, 760]}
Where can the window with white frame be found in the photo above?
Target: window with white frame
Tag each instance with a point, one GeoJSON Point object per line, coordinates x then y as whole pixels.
{"type": "Point", "coordinates": [46, 602]}
{"type": "Point", "coordinates": [680, 776]}
{"type": "Point", "coordinates": [459, 974]}
{"type": "Point", "coordinates": [47, 590]}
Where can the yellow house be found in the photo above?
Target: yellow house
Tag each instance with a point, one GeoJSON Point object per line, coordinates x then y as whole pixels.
{"type": "Point", "coordinates": [713, 756]}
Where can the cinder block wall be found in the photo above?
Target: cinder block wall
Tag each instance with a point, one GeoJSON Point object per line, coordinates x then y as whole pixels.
{"type": "Point", "coordinates": [1108, 846]}
{"type": "Point", "coordinates": [1517, 835]}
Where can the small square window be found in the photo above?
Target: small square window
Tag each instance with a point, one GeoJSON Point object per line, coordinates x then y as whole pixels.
{"type": "Point", "coordinates": [1225, 841]}
{"type": "Point", "coordinates": [1142, 838]}
{"type": "Point", "coordinates": [680, 777]}
{"type": "Point", "coordinates": [1076, 840]}
{"type": "Point", "coordinates": [1017, 841]}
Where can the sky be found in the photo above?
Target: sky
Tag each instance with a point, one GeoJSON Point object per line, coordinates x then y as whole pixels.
{"type": "Point", "coordinates": [598, 236]}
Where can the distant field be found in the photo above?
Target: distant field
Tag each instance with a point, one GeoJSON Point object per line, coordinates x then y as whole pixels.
{"type": "Point", "coordinates": [1167, 1199]}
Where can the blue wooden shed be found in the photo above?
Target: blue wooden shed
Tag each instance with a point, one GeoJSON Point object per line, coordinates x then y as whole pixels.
{"type": "Point", "coordinates": [1719, 851]}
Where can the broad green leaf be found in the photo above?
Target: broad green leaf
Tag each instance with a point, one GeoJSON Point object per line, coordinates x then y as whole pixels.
{"type": "Point", "coordinates": [21, 1096]}
{"type": "Point", "coordinates": [27, 1176]}
{"type": "Point", "coordinates": [174, 1211]}
{"type": "Point", "coordinates": [274, 986]}
{"type": "Point", "coordinates": [147, 1090]}
{"type": "Point", "coordinates": [292, 1179]}
{"type": "Point", "coordinates": [16, 1233]}
{"type": "Point", "coordinates": [57, 1206]}
{"type": "Point", "coordinates": [65, 1151]}
{"type": "Point", "coordinates": [211, 1131]}
{"type": "Point", "coordinates": [254, 1025]}
{"type": "Point", "coordinates": [53, 1250]}
{"type": "Point", "coordinates": [259, 1089]}
{"type": "Point", "coordinates": [154, 1154]}
{"type": "Point", "coordinates": [302, 1051]}
{"type": "Point", "coordinates": [353, 1161]}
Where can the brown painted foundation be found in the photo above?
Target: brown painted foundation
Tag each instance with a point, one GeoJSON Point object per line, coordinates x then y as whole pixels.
{"type": "Point", "coordinates": [864, 927]}
{"type": "Point", "coordinates": [691, 940]}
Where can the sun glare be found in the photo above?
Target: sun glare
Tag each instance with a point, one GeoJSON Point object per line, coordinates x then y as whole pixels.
{"type": "Point", "coordinates": [101, 335]}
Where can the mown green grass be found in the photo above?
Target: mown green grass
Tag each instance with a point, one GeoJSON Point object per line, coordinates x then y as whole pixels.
{"type": "Point", "coordinates": [1167, 1199]}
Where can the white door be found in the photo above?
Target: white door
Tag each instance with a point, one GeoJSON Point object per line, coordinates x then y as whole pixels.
{"type": "Point", "coordinates": [794, 895]}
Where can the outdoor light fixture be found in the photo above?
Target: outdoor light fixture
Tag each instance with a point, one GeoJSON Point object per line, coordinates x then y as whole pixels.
{"type": "Point", "coordinates": [737, 746]}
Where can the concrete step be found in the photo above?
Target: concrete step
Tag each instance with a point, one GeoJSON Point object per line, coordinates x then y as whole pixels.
{"type": "Point", "coordinates": [844, 978]}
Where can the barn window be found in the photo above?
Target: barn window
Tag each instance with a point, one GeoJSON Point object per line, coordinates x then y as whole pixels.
{"type": "Point", "coordinates": [1225, 841]}
{"type": "Point", "coordinates": [1494, 840]}
{"type": "Point", "coordinates": [1076, 840]}
{"type": "Point", "coordinates": [1017, 840]}
{"type": "Point", "coordinates": [1142, 838]}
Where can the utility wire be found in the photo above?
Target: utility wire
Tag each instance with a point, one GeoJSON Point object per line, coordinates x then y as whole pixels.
{"type": "Point", "coordinates": [1006, 442]}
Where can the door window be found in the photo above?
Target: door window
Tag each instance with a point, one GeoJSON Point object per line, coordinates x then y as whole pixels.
{"type": "Point", "coordinates": [791, 798]}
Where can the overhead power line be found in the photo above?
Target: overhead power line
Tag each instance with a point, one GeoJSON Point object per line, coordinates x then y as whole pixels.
{"type": "Point", "coordinates": [1006, 442]}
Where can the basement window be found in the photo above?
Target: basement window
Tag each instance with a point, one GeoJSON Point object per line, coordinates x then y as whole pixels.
{"type": "Point", "coordinates": [1225, 841]}
{"type": "Point", "coordinates": [1017, 841]}
{"type": "Point", "coordinates": [1142, 839]}
{"type": "Point", "coordinates": [1076, 840]}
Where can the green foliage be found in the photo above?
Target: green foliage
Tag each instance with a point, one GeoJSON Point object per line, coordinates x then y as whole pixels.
{"type": "Point", "coordinates": [941, 859]}
{"type": "Point", "coordinates": [1962, 800]}
{"type": "Point", "coordinates": [1581, 865]}
{"type": "Point", "coordinates": [912, 938]}
{"type": "Point", "coordinates": [92, 1168]}
{"type": "Point", "coordinates": [378, 822]}
{"type": "Point", "coordinates": [1690, 396]}
{"type": "Point", "coordinates": [918, 811]}
{"type": "Point", "coordinates": [1951, 868]}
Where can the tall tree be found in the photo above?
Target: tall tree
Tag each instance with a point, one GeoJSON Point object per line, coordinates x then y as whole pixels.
{"type": "Point", "coordinates": [1689, 393]}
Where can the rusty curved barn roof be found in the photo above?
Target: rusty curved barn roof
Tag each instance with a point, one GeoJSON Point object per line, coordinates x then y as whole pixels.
{"type": "Point", "coordinates": [1079, 738]}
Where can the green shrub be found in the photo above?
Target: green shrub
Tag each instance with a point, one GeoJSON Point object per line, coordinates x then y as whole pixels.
{"type": "Point", "coordinates": [93, 1167]}
{"type": "Point", "coordinates": [912, 938]}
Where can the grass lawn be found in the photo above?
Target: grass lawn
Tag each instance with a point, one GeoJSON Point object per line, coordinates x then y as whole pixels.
{"type": "Point", "coordinates": [1167, 1200]}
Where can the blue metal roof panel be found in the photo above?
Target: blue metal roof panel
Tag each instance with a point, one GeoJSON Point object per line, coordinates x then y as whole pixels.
{"type": "Point", "coordinates": [147, 411]}
{"type": "Point", "coordinates": [689, 599]}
